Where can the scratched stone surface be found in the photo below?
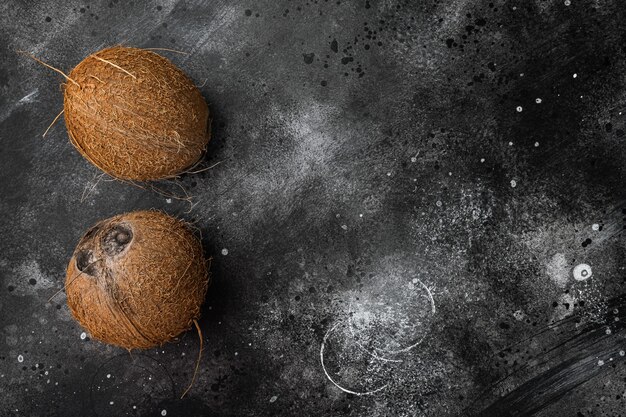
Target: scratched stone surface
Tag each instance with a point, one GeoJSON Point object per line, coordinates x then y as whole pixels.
{"type": "Point", "coordinates": [418, 210]}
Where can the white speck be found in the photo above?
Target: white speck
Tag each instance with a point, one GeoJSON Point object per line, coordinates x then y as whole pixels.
{"type": "Point", "coordinates": [20, 358]}
{"type": "Point", "coordinates": [519, 109]}
{"type": "Point", "coordinates": [513, 183]}
{"type": "Point", "coordinates": [168, 200]}
{"type": "Point", "coordinates": [622, 353]}
{"type": "Point", "coordinates": [482, 160]}
{"type": "Point", "coordinates": [575, 75]}
{"type": "Point", "coordinates": [607, 331]}
{"type": "Point", "coordinates": [361, 215]}
{"type": "Point", "coordinates": [582, 272]}
{"type": "Point", "coordinates": [413, 159]}
{"type": "Point", "coordinates": [108, 375]}
{"type": "Point", "coordinates": [338, 215]}
{"type": "Point", "coordinates": [389, 174]}
{"type": "Point", "coordinates": [274, 398]}
{"type": "Point", "coordinates": [510, 143]}
{"type": "Point", "coordinates": [449, 173]}
{"type": "Point", "coordinates": [600, 362]}
{"type": "Point", "coordinates": [134, 407]}
{"type": "Point", "coordinates": [163, 412]}
{"type": "Point", "coordinates": [595, 227]}
{"type": "Point", "coordinates": [83, 336]}
{"type": "Point", "coordinates": [111, 403]}
{"type": "Point", "coordinates": [567, 2]}
{"type": "Point", "coordinates": [519, 315]}
{"type": "Point", "coordinates": [236, 353]}
{"type": "Point", "coordinates": [344, 227]}
{"type": "Point", "coordinates": [536, 144]}
{"type": "Point", "coordinates": [439, 203]}
{"type": "Point", "coordinates": [249, 344]}
{"type": "Point", "coordinates": [538, 100]}
{"type": "Point", "coordinates": [224, 251]}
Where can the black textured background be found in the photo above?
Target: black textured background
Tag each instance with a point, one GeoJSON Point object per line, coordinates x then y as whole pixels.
{"type": "Point", "coordinates": [365, 148]}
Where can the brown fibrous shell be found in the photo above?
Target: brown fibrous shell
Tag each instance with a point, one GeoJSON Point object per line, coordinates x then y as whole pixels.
{"type": "Point", "coordinates": [137, 280]}
{"type": "Point", "coordinates": [135, 115]}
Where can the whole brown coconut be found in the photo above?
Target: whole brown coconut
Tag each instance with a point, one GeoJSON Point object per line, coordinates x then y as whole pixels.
{"type": "Point", "coordinates": [137, 280]}
{"type": "Point", "coordinates": [135, 115]}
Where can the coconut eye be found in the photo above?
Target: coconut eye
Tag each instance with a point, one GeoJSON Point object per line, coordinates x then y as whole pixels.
{"type": "Point", "coordinates": [84, 262]}
{"type": "Point", "coordinates": [116, 239]}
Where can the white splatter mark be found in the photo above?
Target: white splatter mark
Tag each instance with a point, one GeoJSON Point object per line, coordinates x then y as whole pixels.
{"type": "Point", "coordinates": [168, 200]}
{"type": "Point", "coordinates": [567, 2]}
{"type": "Point", "coordinates": [538, 100]}
{"type": "Point", "coordinates": [224, 251]}
{"type": "Point", "coordinates": [513, 183]}
{"type": "Point", "coordinates": [108, 375]}
{"type": "Point", "coordinates": [557, 269]}
{"type": "Point", "coordinates": [83, 336]}
{"type": "Point", "coordinates": [20, 358]}
{"type": "Point", "coordinates": [574, 76]}
{"type": "Point", "coordinates": [163, 412]}
{"type": "Point", "coordinates": [366, 317]}
{"type": "Point", "coordinates": [519, 315]}
{"type": "Point", "coordinates": [29, 97]}
{"type": "Point", "coordinates": [519, 109]}
{"type": "Point", "coordinates": [622, 353]}
{"type": "Point", "coordinates": [439, 203]}
{"type": "Point", "coordinates": [582, 272]}
{"type": "Point", "coordinates": [331, 379]}
{"type": "Point", "coordinates": [389, 174]}
{"type": "Point", "coordinates": [273, 399]}
{"type": "Point", "coordinates": [607, 331]}
{"type": "Point", "coordinates": [413, 159]}
{"type": "Point", "coordinates": [510, 143]}
{"type": "Point", "coordinates": [344, 227]}
{"type": "Point", "coordinates": [600, 362]}
{"type": "Point", "coordinates": [595, 227]}
{"type": "Point", "coordinates": [536, 144]}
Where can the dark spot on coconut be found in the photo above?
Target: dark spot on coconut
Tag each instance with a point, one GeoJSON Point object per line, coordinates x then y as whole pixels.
{"type": "Point", "coordinates": [84, 262]}
{"type": "Point", "coordinates": [10, 288]}
{"type": "Point", "coordinates": [90, 234]}
{"type": "Point", "coordinates": [116, 239]}
{"type": "Point", "coordinates": [32, 281]}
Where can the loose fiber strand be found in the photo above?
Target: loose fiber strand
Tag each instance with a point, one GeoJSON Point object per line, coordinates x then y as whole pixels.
{"type": "Point", "coordinates": [49, 66]}
{"type": "Point", "coordinates": [195, 372]}
{"type": "Point", "coordinates": [113, 65]}
{"type": "Point", "coordinates": [52, 124]}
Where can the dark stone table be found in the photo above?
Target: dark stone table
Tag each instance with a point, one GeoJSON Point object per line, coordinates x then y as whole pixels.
{"type": "Point", "coordinates": [427, 195]}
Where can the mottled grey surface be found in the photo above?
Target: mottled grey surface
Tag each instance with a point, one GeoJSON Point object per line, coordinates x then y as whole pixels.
{"type": "Point", "coordinates": [374, 154]}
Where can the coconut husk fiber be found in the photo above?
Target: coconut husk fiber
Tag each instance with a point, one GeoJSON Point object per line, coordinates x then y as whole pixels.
{"type": "Point", "coordinates": [137, 280]}
{"type": "Point", "coordinates": [135, 115]}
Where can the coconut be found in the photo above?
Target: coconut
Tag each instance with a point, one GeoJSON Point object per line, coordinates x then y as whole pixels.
{"type": "Point", "coordinates": [137, 280]}
{"type": "Point", "coordinates": [135, 115]}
